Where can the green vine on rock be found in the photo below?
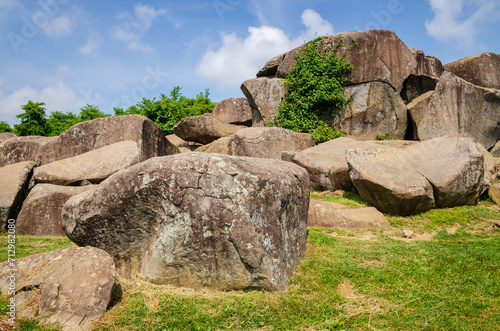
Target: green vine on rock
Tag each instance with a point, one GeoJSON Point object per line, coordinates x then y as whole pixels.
{"type": "Point", "coordinates": [315, 90]}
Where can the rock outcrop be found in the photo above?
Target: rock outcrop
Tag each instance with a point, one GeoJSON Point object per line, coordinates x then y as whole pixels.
{"type": "Point", "coordinates": [268, 143]}
{"type": "Point", "coordinates": [442, 172]}
{"type": "Point", "coordinates": [198, 220]}
{"type": "Point", "coordinates": [204, 129]}
{"type": "Point", "coordinates": [481, 70]}
{"type": "Point", "coordinates": [234, 111]}
{"type": "Point", "coordinates": [459, 107]}
{"type": "Point", "coordinates": [264, 95]}
{"type": "Point", "coordinates": [332, 215]}
{"type": "Point", "coordinates": [220, 146]}
{"type": "Point", "coordinates": [4, 136]}
{"type": "Point", "coordinates": [71, 287]}
{"type": "Point", "coordinates": [91, 167]}
{"type": "Point", "coordinates": [31, 148]}
{"type": "Point", "coordinates": [379, 55]}
{"type": "Point", "coordinates": [376, 109]}
{"type": "Point", "coordinates": [428, 65]}
{"type": "Point", "coordinates": [14, 182]}
{"type": "Point", "coordinates": [41, 212]}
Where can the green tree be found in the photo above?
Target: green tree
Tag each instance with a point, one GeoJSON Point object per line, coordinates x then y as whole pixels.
{"type": "Point", "coordinates": [91, 112]}
{"type": "Point", "coordinates": [5, 127]}
{"type": "Point", "coordinates": [315, 88]}
{"type": "Point", "coordinates": [60, 122]}
{"type": "Point", "coordinates": [33, 120]}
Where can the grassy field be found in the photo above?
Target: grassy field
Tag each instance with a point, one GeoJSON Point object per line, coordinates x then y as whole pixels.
{"type": "Point", "coordinates": [446, 278]}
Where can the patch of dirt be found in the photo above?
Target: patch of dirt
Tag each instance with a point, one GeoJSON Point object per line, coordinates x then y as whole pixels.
{"type": "Point", "coordinates": [5, 325]}
{"type": "Point", "coordinates": [359, 304]}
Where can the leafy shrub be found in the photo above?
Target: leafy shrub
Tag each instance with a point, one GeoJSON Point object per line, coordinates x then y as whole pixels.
{"type": "Point", "coordinates": [315, 88]}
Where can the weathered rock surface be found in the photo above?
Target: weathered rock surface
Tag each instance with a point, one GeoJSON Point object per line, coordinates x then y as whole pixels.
{"type": "Point", "coordinates": [481, 70]}
{"type": "Point", "coordinates": [442, 172]}
{"type": "Point", "coordinates": [234, 111]}
{"type": "Point", "coordinates": [91, 167]}
{"type": "Point", "coordinates": [220, 146]}
{"type": "Point", "coordinates": [41, 211]}
{"type": "Point", "coordinates": [268, 143]}
{"type": "Point", "coordinates": [176, 141]}
{"type": "Point", "coordinates": [4, 136]}
{"type": "Point", "coordinates": [204, 129]}
{"type": "Point", "coordinates": [14, 181]}
{"type": "Point", "coordinates": [333, 215]}
{"type": "Point", "coordinates": [495, 150]}
{"type": "Point", "coordinates": [379, 56]}
{"type": "Point", "coordinates": [426, 65]}
{"type": "Point", "coordinates": [459, 107]}
{"type": "Point", "coordinates": [72, 286]}
{"type": "Point", "coordinates": [327, 165]}
{"type": "Point", "coordinates": [198, 220]}
{"type": "Point", "coordinates": [490, 167]}
{"type": "Point", "coordinates": [264, 95]}
{"type": "Point", "coordinates": [417, 110]}
{"type": "Point", "coordinates": [31, 148]}
{"type": "Point", "coordinates": [101, 132]}
{"type": "Point", "coordinates": [494, 193]}
{"type": "Point", "coordinates": [376, 110]}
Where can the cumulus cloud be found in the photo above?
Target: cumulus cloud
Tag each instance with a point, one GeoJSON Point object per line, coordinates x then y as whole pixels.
{"type": "Point", "coordinates": [92, 45]}
{"type": "Point", "coordinates": [460, 20]}
{"type": "Point", "coordinates": [57, 97]}
{"type": "Point", "coordinates": [58, 26]}
{"type": "Point", "coordinates": [238, 59]}
{"type": "Point", "coordinates": [138, 24]}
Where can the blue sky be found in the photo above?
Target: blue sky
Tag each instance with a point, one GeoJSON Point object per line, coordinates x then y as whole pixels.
{"type": "Point", "coordinates": [68, 53]}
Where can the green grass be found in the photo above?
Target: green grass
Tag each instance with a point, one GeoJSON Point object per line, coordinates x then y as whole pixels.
{"type": "Point", "coordinates": [26, 245]}
{"type": "Point", "coordinates": [349, 199]}
{"type": "Point", "coordinates": [451, 282]}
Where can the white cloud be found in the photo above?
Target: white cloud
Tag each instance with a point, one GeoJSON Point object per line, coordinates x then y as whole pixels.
{"type": "Point", "coordinates": [57, 97]}
{"type": "Point", "coordinates": [92, 45]}
{"type": "Point", "coordinates": [137, 26]}
{"type": "Point", "coordinates": [460, 20]}
{"type": "Point", "coordinates": [238, 59]}
{"type": "Point", "coordinates": [58, 26]}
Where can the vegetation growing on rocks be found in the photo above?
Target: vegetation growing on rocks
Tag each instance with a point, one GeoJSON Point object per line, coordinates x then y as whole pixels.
{"type": "Point", "coordinates": [315, 87]}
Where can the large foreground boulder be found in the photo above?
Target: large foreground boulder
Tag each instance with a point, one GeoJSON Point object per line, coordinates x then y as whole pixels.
{"type": "Point", "coordinates": [379, 55]}
{"type": "Point", "coordinates": [71, 287]}
{"type": "Point", "coordinates": [268, 143]}
{"type": "Point", "coordinates": [14, 182]}
{"type": "Point", "coordinates": [481, 70]}
{"type": "Point", "coordinates": [442, 172]}
{"type": "Point", "coordinates": [459, 107]}
{"type": "Point", "coordinates": [91, 167]}
{"type": "Point", "coordinates": [31, 148]}
{"type": "Point", "coordinates": [234, 111]}
{"type": "Point", "coordinates": [332, 215]}
{"type": "Point", "coordinates": [198, 220]}
{"type": "Point", "coordinates": [41, 211]}
{"type": "Point", "coordinates": [204, 129]}
{"type": "Point", "coordinates": [327, 165]}
{"type": "Point", "coordinates": [4, 136]}
{"type": "Point", "coordinates": [264, 95]}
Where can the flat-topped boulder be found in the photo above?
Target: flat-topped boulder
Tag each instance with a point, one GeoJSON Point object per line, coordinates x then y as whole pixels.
{"type": "Point", "coordinates": [327, 165]}
{"type": "Point", "coordinates": [198, 220]}
{"type": "Point", "coordinates": [204, 129]}
{"type": "Point", "coordinates": [460, 107]}
{"type": "Point", "coordinates": [41, 212]}
{"type": "Point", "coordinates": [71, 287]}
{"type": "Point", "coordinates": [234, 111]}
{"type": "Point", "coordinates": [91, 167]}
{"type": "Point", "coordinates": [268, 143]}
{"type": "Point", "coordinates": [379, 55]}
{"type": "Point", "coordinates": [442, 172]}
{"type": "Point", "coordinates": [14, 181]}
{"type": "Point", "coordinates": [481, 70]}
{"type": "Point", "coordinates": [333, 215]}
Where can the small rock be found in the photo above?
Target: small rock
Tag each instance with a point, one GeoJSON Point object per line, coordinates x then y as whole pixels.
{"type": "Point", "coordinates": [408, 234]}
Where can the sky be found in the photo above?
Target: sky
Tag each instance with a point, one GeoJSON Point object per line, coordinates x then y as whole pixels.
{"type": "Point", "coordinates": [69, 53]}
